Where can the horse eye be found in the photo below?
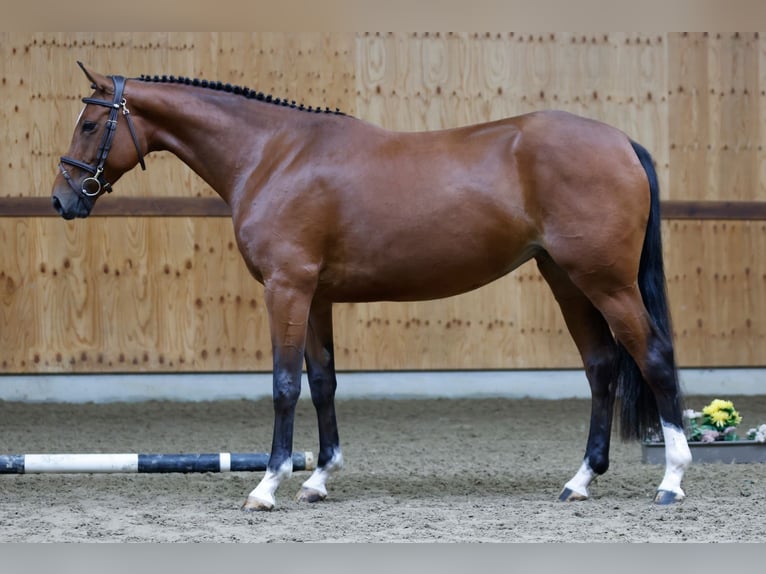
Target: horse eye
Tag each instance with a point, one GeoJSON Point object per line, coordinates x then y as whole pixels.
{"type": "Point", "coordinates": [88, 126]}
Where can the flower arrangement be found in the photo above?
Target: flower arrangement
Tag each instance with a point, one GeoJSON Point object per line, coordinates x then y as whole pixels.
{"type": "Point", "coordinates": [717, 421]}
{"type": "Point", "coordinates": [712, 436]}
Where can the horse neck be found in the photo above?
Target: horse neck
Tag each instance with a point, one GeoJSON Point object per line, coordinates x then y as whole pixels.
{"type": "Point", "coordinates": [218, 135]}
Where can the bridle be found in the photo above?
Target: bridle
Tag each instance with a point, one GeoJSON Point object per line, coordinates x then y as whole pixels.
{"type": "Point", "coordinates": [95, 184]}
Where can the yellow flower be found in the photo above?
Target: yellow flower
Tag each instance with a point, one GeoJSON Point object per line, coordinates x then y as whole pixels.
{"type": "Point", "coordinates": [721, 414]}
{"type": "Point", "coordinates": [719, 418]}
{"type": "Point", "coordinates": [718, 405]}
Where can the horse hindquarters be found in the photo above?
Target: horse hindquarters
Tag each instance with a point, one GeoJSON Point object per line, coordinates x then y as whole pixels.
{"type": "Point", "coordinates": [648, 384]}
{"type": "Point", "coordinates": [626, 284]}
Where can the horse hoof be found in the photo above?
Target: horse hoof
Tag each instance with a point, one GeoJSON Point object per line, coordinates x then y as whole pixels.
{"type": "Point", "coordinates": [310, 495]}
{"type": "Point", "coordinates": [665, 497]}
{"type": "Point", "coordinates": [253, 504]}
{"type": "Point", "coordinates": [569, 495]}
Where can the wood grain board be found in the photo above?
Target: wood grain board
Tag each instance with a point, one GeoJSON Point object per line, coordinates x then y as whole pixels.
{"type": "Point", "coordinates": [154, 282]}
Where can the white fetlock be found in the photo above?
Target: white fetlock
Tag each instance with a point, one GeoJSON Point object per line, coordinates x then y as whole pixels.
{"type": "Point", "coordinates": [315, 487]}
{"type": "Point", "coordinates": [677, 459]}
{"type": "Point", "coordinates": [577, 487]}
{"type": "Point", "coordinates": [262, 496]}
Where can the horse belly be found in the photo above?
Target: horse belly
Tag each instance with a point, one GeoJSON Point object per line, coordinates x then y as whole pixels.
{"type": "Point", "coordinates": [414, 267]}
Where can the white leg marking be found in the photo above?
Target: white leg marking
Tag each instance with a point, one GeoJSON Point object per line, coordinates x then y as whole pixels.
{"type": "Point", "coordinates": [677, 458]}
{"type": "Point", "coordinates": [580, 481]}
{"type": "Point", "coordinates": [319, 477]}
{"type": "Point", "coordinates": [265, 490]}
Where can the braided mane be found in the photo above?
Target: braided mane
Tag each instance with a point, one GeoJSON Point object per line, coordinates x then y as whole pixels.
{"type": "Point", "coordinates": [239, 90]}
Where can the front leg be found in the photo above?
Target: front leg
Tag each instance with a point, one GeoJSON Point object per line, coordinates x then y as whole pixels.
{"type": "Point", "coordinates": [288, 304]}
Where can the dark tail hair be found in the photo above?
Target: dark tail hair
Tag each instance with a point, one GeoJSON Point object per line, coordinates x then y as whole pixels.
{"type": "Point", "coordinates": [638, 407]}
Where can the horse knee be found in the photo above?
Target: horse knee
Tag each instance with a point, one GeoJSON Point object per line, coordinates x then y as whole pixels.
{"type": "Point", "coordinates": [287, 390]}
{"type": "Point", "coordinates": [323, 386]}
{"type": "Point", "coordinates": [322, 399]}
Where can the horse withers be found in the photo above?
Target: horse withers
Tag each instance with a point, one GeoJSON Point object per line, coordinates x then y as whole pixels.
{"type": "Point", "coordinates": [328, 208]}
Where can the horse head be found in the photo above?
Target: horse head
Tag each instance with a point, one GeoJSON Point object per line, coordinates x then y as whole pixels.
{"type": "Point", "coordinates": [103, 147]}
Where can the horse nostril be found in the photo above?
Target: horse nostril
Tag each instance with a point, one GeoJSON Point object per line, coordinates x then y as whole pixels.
{"type": "Point", "coordinates": [57, 204]}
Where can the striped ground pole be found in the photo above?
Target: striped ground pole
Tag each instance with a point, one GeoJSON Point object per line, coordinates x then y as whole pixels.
{"type": "Point", "coordinates": [132, 463]}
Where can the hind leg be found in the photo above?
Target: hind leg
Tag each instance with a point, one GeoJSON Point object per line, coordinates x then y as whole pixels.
{"type": "Point", "coordinates": [320, 365]}
{"type": "Point", "coordinates": [626, 314]}
{"type": "Point", "coordinates": [598, 350]}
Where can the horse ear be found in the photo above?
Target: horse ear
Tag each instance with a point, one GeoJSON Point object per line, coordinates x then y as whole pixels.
{"type": "Point", "coordinates": [98, 82]}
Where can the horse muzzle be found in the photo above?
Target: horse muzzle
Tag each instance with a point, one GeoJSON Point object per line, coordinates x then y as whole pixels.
{"type": "Point", "coordinates": [69, 205]}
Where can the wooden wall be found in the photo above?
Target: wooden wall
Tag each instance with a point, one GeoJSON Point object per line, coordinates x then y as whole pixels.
{"type": "Point", "coordinates": [137, 294]}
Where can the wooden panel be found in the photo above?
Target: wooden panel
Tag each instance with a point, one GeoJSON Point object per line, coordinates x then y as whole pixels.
{"type": "Point", "coordinates": [127, 295]}
{"type": "Point", "coordinates": [717, 115]}
{"type": "Point", "coordinates": [733, 65]}
{"type": "Point", "coordinates": [717, 282]}
{"type": "Point", "coordinates": [512, 323]}
{"type": "Point", "coordinates": [17, 135]}
{"type": "Point", "coordinates": [689, 115]}
{"type": "Point", "coordinates": [172, 294]}
{"type": "Point", "coordinates": [697, 98]}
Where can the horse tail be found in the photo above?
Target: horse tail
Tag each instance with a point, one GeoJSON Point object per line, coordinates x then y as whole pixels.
{"type": "Point", "coordinates": [638, 406]}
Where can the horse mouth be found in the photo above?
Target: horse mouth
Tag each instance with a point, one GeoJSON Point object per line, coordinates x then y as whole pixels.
{"type": "Point", "coordinates": [77, 209]}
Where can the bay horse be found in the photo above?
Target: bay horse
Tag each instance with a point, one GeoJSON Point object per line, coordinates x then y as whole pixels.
{"type": "Point", "coordinates": [328, 208]}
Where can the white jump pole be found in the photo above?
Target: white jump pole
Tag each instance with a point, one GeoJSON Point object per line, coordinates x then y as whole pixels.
{"type": "Point", "coordinates": [144, 463]}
